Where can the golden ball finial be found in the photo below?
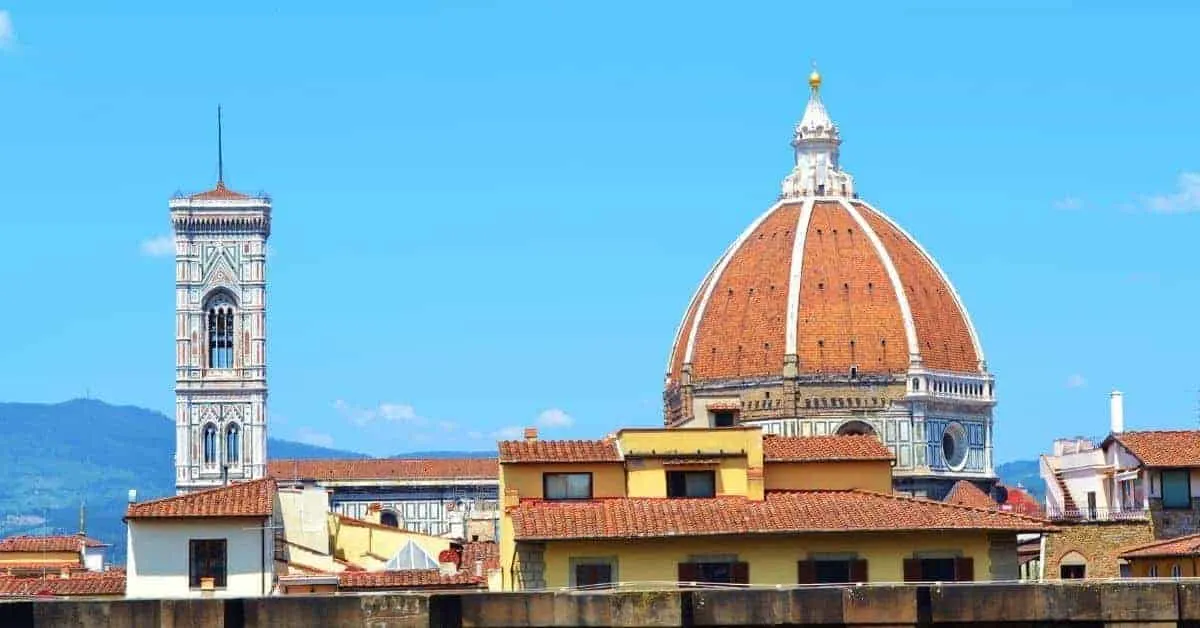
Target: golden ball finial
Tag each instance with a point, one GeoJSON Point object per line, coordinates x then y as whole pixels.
{"type": "Point", "coordinates": [814, 79]}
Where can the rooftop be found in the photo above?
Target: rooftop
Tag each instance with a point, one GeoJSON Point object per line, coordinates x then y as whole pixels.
{"type": "Point", "coordinates": [79, 584]}
{"type": "Point", "coordinates": [965, 493]}
{"type": "Point", "coordinates": [54, 543]}
{"type": "Point", "coordinates": [407, 579]}
{"type": "Point", "coordinates": [780, 512]}
{"type": "Point", "coordinates": [820, 448]}
{"type": "Point", "coordinates": [1180, 546]}
{"type": "Point", "coordinates": [385, 469]}
{"type": "Point", "coordinates": [532, 450]}
{"type": "Point", "coordinates": [1162, 448]}
{"type": "Point", "coordinates": [255, 498]}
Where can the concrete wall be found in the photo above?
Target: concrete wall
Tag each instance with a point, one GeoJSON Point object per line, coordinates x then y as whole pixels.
{"type": "Point", "coordinates": [1128, 604]}
{"type": "Point", "coordinates": [157, 564]}
{"type": "Point", "coordinates": [370, 545]}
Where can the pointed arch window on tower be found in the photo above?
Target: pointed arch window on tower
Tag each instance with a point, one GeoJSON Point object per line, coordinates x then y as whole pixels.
{"type": "Point", "coordinates": [210, 444]}
{"type": "Point", "coordinates": [233, 442]}
{"type": "Point", "coordinates": [220, 333]}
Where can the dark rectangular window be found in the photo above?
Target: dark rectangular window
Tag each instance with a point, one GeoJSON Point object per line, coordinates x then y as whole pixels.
{"type": "Point", "coordinates": [1091, 497]}
{"type": "Point", "coordinates": [1072, 572]}
{"type": "Point", "coordinates": [593, 574]}
{"type": "Point", "coordinates": [939, 570]}
{"type": "Point", "coordinates": [723, 419]}
{"type": "Point", "coordinates": [832, 571]}
{"type": "Point", "coordinates": [206, 559]}
{"type": "Point", "coordinates": [715, 572]}
{"type": "Point", "coordinates": [691, 483]}
{"type": "Point", "coordinates": [1176, 488]}
{"type": "Point", "coordinates": [567, 485]}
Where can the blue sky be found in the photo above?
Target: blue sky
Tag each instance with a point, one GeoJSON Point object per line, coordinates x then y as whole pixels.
{"type": "Point", "coordinates": [486, 215]}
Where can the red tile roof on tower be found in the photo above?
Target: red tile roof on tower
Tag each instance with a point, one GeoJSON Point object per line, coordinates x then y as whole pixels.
{"type": "Point", "coordinates": [1021, 502]}
{"type": "Point", "coordinates": [965, 493]}
{"type": "Point", "coordinates": [1162, 448]}
{"type": "Point", "coordinates": [408, 579]}
{"type": "Point", "coordinates": [519, 451]}
{"type": "Point", "coordinates": [56, 543]}
{"type": "Point", "coordinates": [819, 448]}
{"type": "Point", "coordinates": [219, 193]}
{"type": "Point", "coordinates": [1179, 546]}
{"type": "Point", "coordinates": [255, 498]}
{"type": "Point", "coordinates": [780, 512]}
{"type": "Point", "coordinates": [385, 469]}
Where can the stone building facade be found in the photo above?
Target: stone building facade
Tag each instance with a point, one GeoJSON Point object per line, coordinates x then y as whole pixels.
{"type": "Point", "coordinates": [826, 317]}
{"type": "Point", "coordinates": [220, 337]}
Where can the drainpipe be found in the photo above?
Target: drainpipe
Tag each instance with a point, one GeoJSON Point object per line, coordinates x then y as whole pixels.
{"type": "Point", "coordinates": [262, 549]}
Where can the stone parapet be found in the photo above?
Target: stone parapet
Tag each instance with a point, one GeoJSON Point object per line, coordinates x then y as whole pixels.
{"type": "Point", "coordinates": [1129, 603]}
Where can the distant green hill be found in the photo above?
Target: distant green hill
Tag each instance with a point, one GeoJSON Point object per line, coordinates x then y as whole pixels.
{"type": "Point", "coordinates": [55, 456]}
{"type": "Point", "coordinates": [1025, 473]}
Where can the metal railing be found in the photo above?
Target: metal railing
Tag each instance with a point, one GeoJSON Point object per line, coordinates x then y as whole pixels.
{"type": "Point", "coordinates": [1097, 514]}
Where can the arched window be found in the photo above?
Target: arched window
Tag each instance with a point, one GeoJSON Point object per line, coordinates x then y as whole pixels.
{"type": "Point", "coordinates": [210, 444]}
{"type": "Point", "coordinates": [233, 450]}
{"type": "Point", "coordinates": [855, 428]}
{"type": "Point", "coordinates": [220, 332]}
{"type": "Point", "coordinates": [389, 518]}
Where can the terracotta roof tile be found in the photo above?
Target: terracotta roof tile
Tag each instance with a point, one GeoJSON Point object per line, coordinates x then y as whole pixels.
{"type": "Point", "coordinates": [407, 579]}
{"type": "Point", "coordinates": [965, 493]}
{"type": "Point", "coordinates": [487, 551]}
{"type": "Point", "coordinates": [219, 193]}
{"type": "Point", "coordinates": [1163, 448]}
{"type": "Point", "coordinates": [49, 566]}
{"type": "Point", "coordinates": [57, 543]}
{"type": "Point", "coordinates": [816, 448]}
{"type": "Point", "coordinates": [780, 512]}
{"type": "Point", "coordinates": [386, 469]}
{"type": "Point", "coordinates": [255, 498]}
{"type": "Point", "coordinates": [1179, 546]}
{"type": "Point", "coordinates": [515, 451]}
{"type": "Point", "coordinates": [81, 585]}
{"type": "Point", "coordinates": [1021, 502]}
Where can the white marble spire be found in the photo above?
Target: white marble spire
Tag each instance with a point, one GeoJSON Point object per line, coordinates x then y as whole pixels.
{"type": "Point", "coordinates": [816, 140]}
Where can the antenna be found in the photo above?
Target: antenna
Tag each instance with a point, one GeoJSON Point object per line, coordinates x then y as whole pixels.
{"type": "Point", "coordinates": [220, 150]}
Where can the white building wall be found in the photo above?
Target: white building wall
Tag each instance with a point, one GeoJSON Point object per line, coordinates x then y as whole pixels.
{"type": "Point", "coordinates": [157, 561]}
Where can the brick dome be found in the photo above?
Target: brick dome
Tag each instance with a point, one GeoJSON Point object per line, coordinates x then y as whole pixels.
{"type": "Point", "coordinates": [822, 290]}
{"type": "Point", "coordinates": [833, 282]}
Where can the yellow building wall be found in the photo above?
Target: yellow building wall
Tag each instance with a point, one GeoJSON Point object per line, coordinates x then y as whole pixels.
{"type": "Point", "coordinates": [638, 442]}
{"type": "Point", "coordinates": [371, 545]}
{"type": "Point", "coordinates": [870, 475]}
{"type": "Point", "coordinates": [1140, 567]}
{"type": "Point", "coordinates": [648, 476]}
{"type": "Point", "coordinates": [772, 559]}
{"type": "Point", "coordinates": [608, 479]}
{"type": "Point", "coordinates": [12, 558]}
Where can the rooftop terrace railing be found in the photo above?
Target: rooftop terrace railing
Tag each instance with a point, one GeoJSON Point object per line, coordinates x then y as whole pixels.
{"type": "Point", "coordinates": [1097, 514]}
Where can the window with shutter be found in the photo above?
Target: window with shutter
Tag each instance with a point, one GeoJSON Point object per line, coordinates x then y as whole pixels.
{"type": "Point", "coordinates": [832, 571]}
{"type": "Point", "coordinates": [912, 570]}
{"type": "Point", "coordinates": [806, 572]}
{"type": "Point", "coordinates": [689, 572]}
{"type": "Point", "coordinates": [1176, 488]}
{"type": "Point", "coordinates": [964, 569]}
{"type": "Point", "coordinates": [858, 570]}
{"type": "Point", "coordinates": [740, 573]}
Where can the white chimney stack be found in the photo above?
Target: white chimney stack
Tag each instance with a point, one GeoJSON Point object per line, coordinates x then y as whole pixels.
{"type": "Point", "coordinates": [132, 495]}
{"type": "Point", "coordinates": [1116, 412]}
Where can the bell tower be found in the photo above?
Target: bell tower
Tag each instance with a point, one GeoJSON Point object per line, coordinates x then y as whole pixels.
{"type": "Point", "coordinates": [220, 334]}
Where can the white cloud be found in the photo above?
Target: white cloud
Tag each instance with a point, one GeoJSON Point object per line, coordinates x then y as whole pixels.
{"type": "Point", "coordinates": [386, 411]}
{"type": "Point", "coordinates": [473, 435]}
{"type": "Point", "coordinates": [313, 437]}
{"type": "Point", "coordinates": [554, 417]}
{"type": "Point", "coordinates": [159, 246]}
{"type": "Point", "coordinates": [1076, 381]}
{"type": "Point", "coordinates": [1185, 199]}
{"type": "Point", "coordinates": [8, 34]}
{"type": "Point", "coordinates": [512, 432]}
{"type": "Point", "coordinates": [1068, 203]}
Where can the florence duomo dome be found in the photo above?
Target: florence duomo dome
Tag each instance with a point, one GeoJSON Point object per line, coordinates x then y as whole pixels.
{"type": "Point", "coordinates": [825, 317]}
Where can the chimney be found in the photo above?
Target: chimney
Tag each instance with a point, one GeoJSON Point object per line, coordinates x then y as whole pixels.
{"type": "Point", "coordinates": [531, 433]}
{"type": "Point", "coordinates": [1116, 412]}
{"type": "Point", "coordinates": [132, 495]}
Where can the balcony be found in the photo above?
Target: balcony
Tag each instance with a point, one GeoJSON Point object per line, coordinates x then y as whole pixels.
{"type": "Point", "coordinates": [1097, 514]}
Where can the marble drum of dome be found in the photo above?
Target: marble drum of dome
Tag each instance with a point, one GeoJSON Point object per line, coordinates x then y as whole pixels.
{"type": "Point", "coordinates": [825, 317]}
